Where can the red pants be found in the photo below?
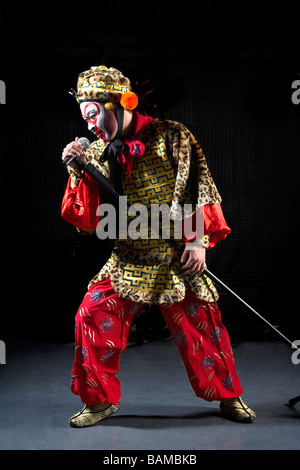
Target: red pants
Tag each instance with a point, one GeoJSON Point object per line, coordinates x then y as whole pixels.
{"type": "Point", "coordinates": [102, 330]}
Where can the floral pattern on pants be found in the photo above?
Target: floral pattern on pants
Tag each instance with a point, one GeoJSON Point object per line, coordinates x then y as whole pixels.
{"type": "Point", "coordinates": [102, 328]}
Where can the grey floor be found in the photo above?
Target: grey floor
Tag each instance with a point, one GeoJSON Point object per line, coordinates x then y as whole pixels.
{"type": "Point", "coordinates": [158, 407]}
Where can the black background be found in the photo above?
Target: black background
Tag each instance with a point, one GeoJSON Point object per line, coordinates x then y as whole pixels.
{"type": "Point", "coordinates": [223, 69]}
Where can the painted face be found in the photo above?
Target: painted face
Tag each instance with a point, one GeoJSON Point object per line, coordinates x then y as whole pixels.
{"type": "Point", "coordinates": [100, 120]}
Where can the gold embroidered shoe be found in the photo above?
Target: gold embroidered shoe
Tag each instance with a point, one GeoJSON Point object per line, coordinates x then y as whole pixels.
{"type": "Point", "coordinates": [237, 410]}
{"type": "Point", "coordinates": [92, 414]}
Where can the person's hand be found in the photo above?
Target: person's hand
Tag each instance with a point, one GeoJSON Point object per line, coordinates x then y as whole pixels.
{"type": "Point", "coordinates": [73, 149]}
{"type": "Point", "coordinates": [193, 260]}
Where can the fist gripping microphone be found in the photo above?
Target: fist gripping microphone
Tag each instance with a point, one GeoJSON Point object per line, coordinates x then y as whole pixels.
{"type": "Point", "coordinates": [106, 184]}
{"type": "Point", "coordinates": [84, 142]}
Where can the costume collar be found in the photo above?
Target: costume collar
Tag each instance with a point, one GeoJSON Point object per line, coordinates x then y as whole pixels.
{"type": "Point", "coordinates": [134, 148]}
{"type": "Point", "coordinates": [139, 124]}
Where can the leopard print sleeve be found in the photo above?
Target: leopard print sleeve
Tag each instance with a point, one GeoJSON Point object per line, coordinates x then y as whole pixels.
{"type": "Point", "coordinates": [194, 183]}
{"type": "Point", "coordinates": [91, 155]}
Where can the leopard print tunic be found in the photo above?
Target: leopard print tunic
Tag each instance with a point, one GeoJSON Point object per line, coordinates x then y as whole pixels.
{"type": "Point", "coordinates": [173, 170]}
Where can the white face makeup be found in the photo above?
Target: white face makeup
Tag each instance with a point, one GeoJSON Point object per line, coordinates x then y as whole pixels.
{"type": "Point", "coordinates": [101, 121]}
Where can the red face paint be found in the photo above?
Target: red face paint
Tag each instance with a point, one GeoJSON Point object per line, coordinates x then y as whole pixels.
{"type": "Point", "coordinates": [101, 121]}
{"type": "Point", "coordinates": [91, 113]}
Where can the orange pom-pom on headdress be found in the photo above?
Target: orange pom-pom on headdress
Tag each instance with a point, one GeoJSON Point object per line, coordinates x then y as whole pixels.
{"type": "Point", "coordinates": [129, 100]}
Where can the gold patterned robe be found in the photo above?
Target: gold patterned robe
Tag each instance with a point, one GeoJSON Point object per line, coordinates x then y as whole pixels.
{"type": "Point", "coordinates": [172, 171]}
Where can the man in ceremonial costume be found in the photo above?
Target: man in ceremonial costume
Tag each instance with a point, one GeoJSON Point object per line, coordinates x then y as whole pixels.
{"type": "Point", "coordinates": [162, 164]}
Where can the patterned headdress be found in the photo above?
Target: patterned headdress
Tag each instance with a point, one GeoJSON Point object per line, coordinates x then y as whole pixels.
{"type": "Point", "coordinates": [105, 84]}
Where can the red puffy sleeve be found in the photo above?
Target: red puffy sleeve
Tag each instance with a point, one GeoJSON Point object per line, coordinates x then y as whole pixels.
{"type": "Point", "coordinates": [214, 225]}
{"type": "Point", "coordinates": [79, 204]}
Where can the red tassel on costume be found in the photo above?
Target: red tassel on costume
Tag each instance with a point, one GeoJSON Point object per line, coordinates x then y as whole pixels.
{"type": "Point", "coordinates": [135, 149]}
{"type": "Point", "coordinates": [79, 204]}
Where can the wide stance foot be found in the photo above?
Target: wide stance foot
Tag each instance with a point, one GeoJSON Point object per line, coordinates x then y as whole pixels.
{"type": "Point", "coordinates": [237, 410]}
{"type": "Point", "coordinates": [92, 414]}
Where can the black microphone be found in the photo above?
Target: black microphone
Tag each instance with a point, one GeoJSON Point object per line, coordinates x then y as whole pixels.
{"type": "Point", "coordinates": [82, 141]}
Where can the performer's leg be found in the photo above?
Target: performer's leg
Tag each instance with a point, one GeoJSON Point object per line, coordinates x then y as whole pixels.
{"type": "Point", "coordinates": [102, 328]}
{"type": "Point", "coordinates": [204, 345]}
